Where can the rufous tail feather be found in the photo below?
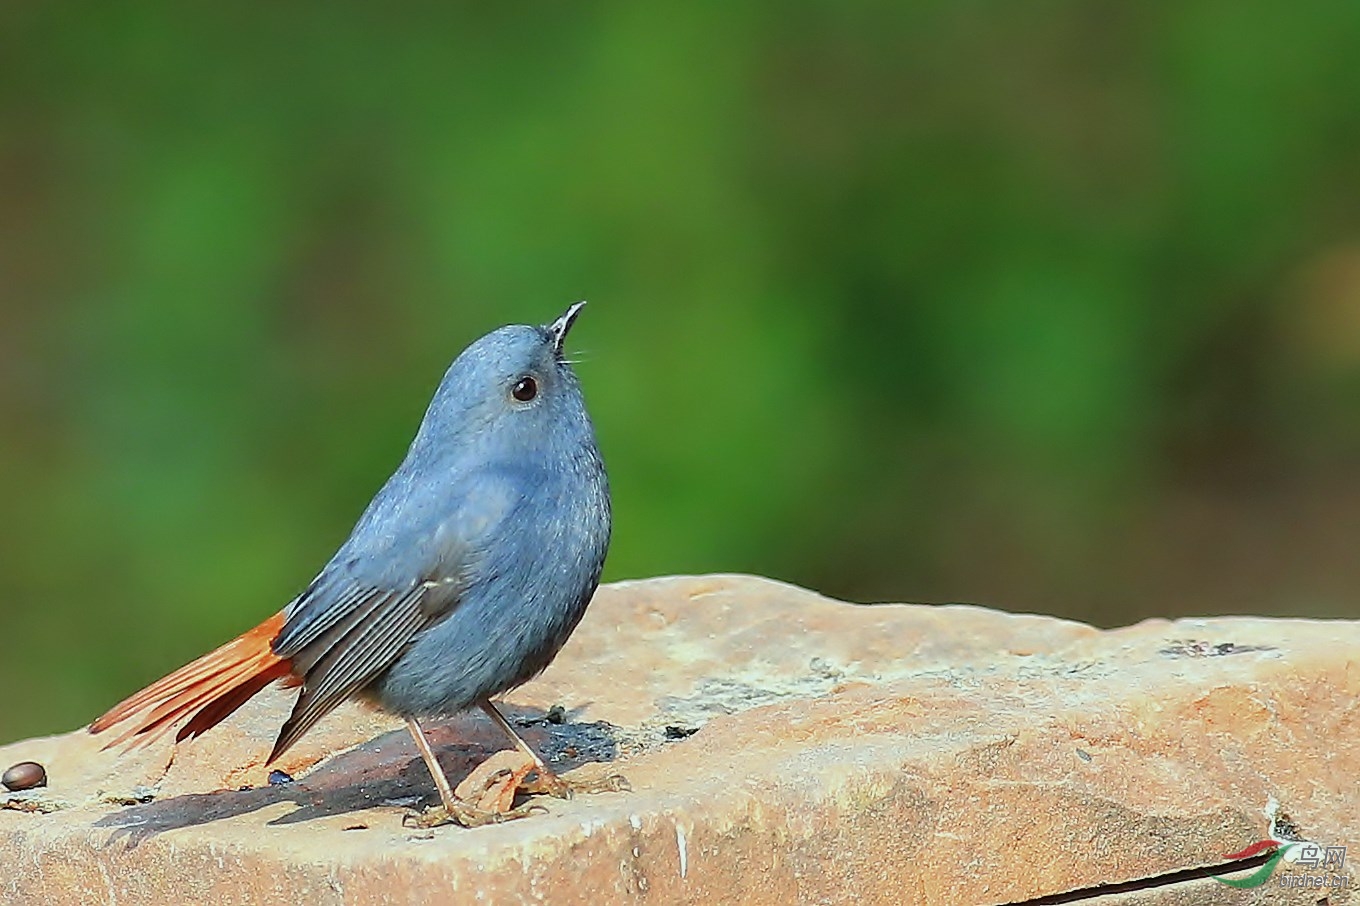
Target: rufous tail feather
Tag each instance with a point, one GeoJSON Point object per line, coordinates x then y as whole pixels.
{"type": "Point", "coordinates": [199, 695]}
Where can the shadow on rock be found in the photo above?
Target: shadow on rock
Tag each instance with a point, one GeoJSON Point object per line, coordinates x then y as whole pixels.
{"type": "Point", "coordinates": [383, 772]}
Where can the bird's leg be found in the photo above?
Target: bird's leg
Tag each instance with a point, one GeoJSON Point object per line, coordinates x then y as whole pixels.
{"type": "Point", "coordinates": [548, 782]}
{"type": "Point", "coordinates": [453, 808]}
{"type": "Point", "coordinates": [441, 782]}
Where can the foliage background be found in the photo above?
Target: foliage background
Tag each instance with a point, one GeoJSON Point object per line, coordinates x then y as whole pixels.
{"type": "Point", "coordinates": [1054, 306]}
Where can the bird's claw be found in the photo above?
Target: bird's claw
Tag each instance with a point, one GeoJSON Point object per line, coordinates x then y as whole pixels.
{"type": "Point", "coordinates": [465, 815]}
{"type": "Point", "coordinates": [610, 783]}
{"type": "Point", "coordinates": [550, 784]}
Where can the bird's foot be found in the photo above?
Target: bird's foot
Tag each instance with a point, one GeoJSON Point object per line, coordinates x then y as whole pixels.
{"type": "Point", "coordinates": [550, 784]}
{"type": "Point", "coordinates": [466, 815]}
{"type": "Point", "coordinates": [495, 782]}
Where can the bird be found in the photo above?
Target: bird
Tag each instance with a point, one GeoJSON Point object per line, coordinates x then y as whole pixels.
{"type": "Point", "coordinates": [462, 579]}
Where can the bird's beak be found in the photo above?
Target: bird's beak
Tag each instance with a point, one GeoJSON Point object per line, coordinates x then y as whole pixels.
{"type": "Point", "coordinates": [558, 329]}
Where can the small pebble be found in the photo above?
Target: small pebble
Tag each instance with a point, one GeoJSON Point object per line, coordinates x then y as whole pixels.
{"type": "Point", "coordinates": [673, 732]}
{"type": "Point", "coordinates": [277, 778]}
{"type": "Point", "coordinates": [24, 776]}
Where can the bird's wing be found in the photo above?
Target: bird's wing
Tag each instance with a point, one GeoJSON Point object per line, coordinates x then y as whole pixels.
{"type": "Point", "coordinates": [353, 650]}
{"type": "Point", "coordinates": [404, 569]}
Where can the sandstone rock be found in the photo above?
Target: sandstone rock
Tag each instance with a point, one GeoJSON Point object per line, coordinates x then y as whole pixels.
{"type": "Point", "coordinates": [781, 747]}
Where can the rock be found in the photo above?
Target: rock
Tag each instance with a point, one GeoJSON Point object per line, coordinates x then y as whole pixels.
{"type": "Point", "coordinates": [843, 753]}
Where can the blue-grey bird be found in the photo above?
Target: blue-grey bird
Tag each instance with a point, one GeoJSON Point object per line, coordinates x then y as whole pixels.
{"type": "Point", "coordinates": [463, 578]}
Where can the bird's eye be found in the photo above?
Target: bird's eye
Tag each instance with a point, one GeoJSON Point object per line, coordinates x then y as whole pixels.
{"type": "Point", "coordinates": [525, 390]}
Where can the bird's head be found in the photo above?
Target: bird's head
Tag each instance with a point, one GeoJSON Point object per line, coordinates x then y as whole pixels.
{"type": "Point", "coordinates": [512, 387]}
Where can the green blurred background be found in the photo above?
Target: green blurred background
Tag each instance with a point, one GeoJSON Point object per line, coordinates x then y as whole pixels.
{"type": "Point", "coordinates": [1054, 307]}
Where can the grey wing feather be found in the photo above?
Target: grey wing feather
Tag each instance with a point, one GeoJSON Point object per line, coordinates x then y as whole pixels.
{"type": "Point", "coordinates": [312, 614]}
{"type": "Point", "coordinates": [342, 648]}
{"type": "Point", "coordinates": [358, 616]}
{"type": "Point", "coordinates": [349, 655]}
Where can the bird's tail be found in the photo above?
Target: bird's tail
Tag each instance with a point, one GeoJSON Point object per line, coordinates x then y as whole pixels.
{"type": "Point", "coordinates": [199, 695]}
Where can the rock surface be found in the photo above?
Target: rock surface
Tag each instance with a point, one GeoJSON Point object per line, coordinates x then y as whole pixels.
{"type": "Point", "coordinates": [782, 748]}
